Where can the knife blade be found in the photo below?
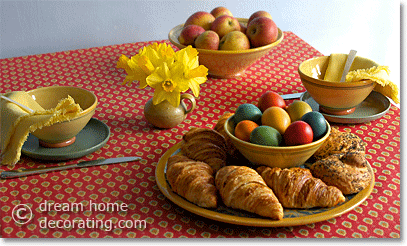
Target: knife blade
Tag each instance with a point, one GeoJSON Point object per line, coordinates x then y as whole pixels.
{"type": "Point", "coordinates": [32, 171]}
{"type": "Point", "coordinates": [292, 96]}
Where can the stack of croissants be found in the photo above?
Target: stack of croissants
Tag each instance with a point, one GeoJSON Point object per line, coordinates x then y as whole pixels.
{"type": "Point", "coordinates": [202, 172]}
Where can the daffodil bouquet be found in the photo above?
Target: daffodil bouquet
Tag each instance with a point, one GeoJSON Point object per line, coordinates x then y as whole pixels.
{"type": "Point", "coordinates": [170, 73]}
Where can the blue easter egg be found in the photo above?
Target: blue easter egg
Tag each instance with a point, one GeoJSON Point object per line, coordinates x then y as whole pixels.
{"type": "Point", "coordinates": [247, 111]}
{"type": "Point", "coordinates": [317, 122]}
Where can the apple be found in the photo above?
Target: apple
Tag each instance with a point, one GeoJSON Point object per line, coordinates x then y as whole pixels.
{"type": "Point", "coordinates": [219, 11]}
{"type": "Point", "coordinates": [259, 13]}
{"type": "Point", "coordinates": [189, 34]}
{"type": "Point", "coordinates": [200, 18]}
{"type": "Point", "coordinates": [225, 24]}
{"type": "Point", "coordinates": [243, 27]}
{"type": "Point", "coordinates": [234, 40]}
{"type": "Point", "coordinates": [298, 133]}
{"type": "Point", "coordinates": [270, 99]}
{"type": "Point", "coordinates": [207, 40]}
{"type": "Point", "coordinates": [262, 31]}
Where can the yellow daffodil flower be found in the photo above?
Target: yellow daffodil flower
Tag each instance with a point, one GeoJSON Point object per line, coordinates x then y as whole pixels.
{"type": "Point", "coordinates": [132, 71]}
{"type": "Point", "coordinates": [170, 73]}
{"type": "Point", "coordinates": [142, 65]}
{"type": "Point", "coordinates": [193, 73]}
{"type": "Point", "coordinates": [189, 51]}
{"type": "Point", "coordinates": [122, 62]}
{"type": "Point", "coordinates": [167, 84]}
{"type": "Point", "coordinates": [165, 52]}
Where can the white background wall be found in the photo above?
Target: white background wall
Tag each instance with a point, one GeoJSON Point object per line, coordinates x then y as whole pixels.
{"type": "Point", "coordinates": [372, 27]}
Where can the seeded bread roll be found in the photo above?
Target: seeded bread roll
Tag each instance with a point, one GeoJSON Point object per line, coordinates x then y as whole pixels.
{"type": "Point", "coordinates": [347, 171]}
{"type": "Point", "coordinates": [340, 142]}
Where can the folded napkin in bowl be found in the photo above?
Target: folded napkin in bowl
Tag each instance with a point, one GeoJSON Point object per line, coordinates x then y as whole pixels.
{"type": "Point", "coordinates": [17, 123]}
{"type": "Point", "coordinates": [379, 75]}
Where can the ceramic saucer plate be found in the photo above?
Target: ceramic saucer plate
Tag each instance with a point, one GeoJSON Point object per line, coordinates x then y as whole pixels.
{"type": "Point", "coordinates": [373, 107]}
{"type": "Point", "coordinates": [92, 137]}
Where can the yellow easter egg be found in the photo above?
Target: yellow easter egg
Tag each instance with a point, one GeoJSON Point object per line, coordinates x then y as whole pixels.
{"type": "Point", "coordinates": [277, 118]}
{"type": "Point", "coordinates": [297, 109]}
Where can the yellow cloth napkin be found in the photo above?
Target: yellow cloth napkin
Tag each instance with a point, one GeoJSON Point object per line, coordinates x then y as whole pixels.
{"type": "Point", "coordinates": [16, 123]}
{"type": "Point", "coordinates": [379, 74]}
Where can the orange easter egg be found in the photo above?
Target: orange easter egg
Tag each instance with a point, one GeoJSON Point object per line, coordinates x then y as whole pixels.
{"type": "Point", "coordinates": [244, 128]}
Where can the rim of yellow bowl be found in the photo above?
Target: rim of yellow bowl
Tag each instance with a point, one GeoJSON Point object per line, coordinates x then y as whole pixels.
{"type": "Point", "coordinates": [281, 148]}
{"type": "Point", "coordinates": [84, 112]}
{"type": "Point", "coordinates": [174, 41]}
{"type": "Point", "coordinates": [331, 84]}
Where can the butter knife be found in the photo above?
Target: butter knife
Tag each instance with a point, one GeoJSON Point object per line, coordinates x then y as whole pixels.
{"type": "Point", "coordinates": [32, 171]}
{"type": "Point", "coordinates": [292, 96]}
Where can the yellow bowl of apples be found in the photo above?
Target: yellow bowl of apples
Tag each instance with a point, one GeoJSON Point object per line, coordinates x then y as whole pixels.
{"type": "Point", "coordinates": [232, 56]}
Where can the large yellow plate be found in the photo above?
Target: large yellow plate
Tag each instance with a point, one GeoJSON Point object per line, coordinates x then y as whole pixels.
{"type": "Point", "coordinates": [292, 217]}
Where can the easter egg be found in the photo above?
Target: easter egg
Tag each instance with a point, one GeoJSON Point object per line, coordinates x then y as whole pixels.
{"type": "Point", "coordinates": [298, 133]}
{"type": "Point", "coordinates": [297, 109]}
{"type": "Point", "coordinates": [277, 118]}
{"type": "Point", "coordinates": [244, 128]}
{"type": "Point", "coordinates": [247, 111]}
{"type": "Point", "coordinates": [266, 135]}
{"type": "Point", "coordinates": [270, 99]}
{"type": "Point", "coordinates": [317, 122]}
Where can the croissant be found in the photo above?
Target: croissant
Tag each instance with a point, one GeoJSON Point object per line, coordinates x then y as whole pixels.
{"type": "Point", "coordinates": [192, 180]}
{"type": "Point", "coordinates": [297, 188]}
{"type": "Point", "coordinates": [220, 127]}
{"type": "Point", "coordinates": [206, 145]}
{"type": "Point", "coordinates": [241, 187]}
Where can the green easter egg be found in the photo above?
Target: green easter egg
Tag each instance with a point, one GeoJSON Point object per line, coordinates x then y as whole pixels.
{"type": "Point", "coordinates": [266, 135]}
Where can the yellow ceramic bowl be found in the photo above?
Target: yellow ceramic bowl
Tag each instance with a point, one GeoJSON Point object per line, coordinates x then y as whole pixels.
{"type": "Point", "coordinates": [335, 97]}
{"type": "Point", "coordinates": [48, 97]}
{"type": "Point", "coordinates": [226, 63]}
{"type": "Point", "coordinates": [282, 157]}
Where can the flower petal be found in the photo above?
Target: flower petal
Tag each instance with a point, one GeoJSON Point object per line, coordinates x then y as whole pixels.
{"type": "Point", "coordinates": [122, 62]}
{"type": "Point", "coordinates": [155, 79]}
{"type": "Point", "coordinates": [159, 95]}
{"type": "Point", "coordinates": [174, 99]}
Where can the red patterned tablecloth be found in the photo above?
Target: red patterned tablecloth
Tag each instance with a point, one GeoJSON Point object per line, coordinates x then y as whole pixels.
{"type": "Point", "coordinates": [133, 184]}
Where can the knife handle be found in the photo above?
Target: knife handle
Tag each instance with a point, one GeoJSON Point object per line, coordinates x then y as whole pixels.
{"type": "Point", "coordinates": [32, 171]}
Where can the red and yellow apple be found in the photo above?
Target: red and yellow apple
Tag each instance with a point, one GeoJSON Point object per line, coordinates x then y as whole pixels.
{"type": "Point", "coordinates": [207, 40]}
{"type": "Point", "coordinates": [243, 27]}
{"type": "Point", "coordinates": [234, 40]}
{"type": "Point", "coordinates": [225, 24]}
{"type": "Point", "coordinates": [219, 11]}
{"type": "Point", "coordinates": [261, 31]}
{"type": "Point", "coordinates": [260, 13]}
{"type": "Point", "coordinates": [200, 18]}
{"type": "Point", "coordinates": [189, 34]}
